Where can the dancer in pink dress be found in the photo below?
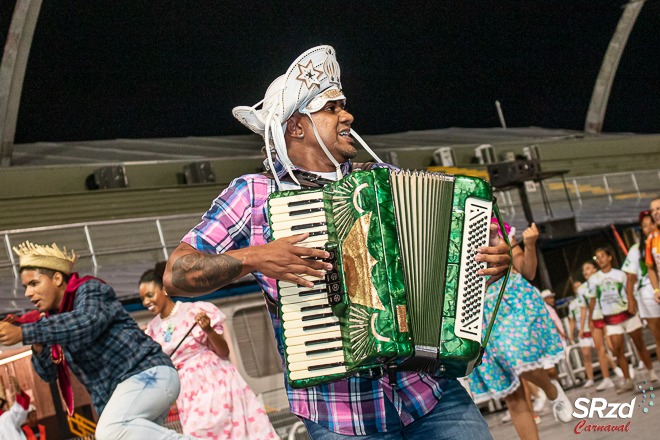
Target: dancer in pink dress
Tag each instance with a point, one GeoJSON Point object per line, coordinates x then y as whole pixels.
{"type": "Point", "coordinates": [215, 402]}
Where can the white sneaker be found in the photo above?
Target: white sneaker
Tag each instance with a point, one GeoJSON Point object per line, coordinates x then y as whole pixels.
{"type": "Point", "coordinates": [606, 384]}
{"type": "Point", "coordinates": [588, 384]}
{"type": "Point", "coordinates": [618, 372]}
{"type": "Point", "coordinates": [506, 417]}
{"type": "Point", "coordinates": [641, 366]}
{"type": "Point", "coordinates": [625, 387]}
{"type": "Point", "coordinates": [537, 419]}
{"type": "Point", "coordinates": [539, 403]}
{"type": "Point", "coordinates": [631, 371]}
{"type": "Point", "coordinates": [561, 406]}
{"type": "Point", "coordinates": [652, 376]}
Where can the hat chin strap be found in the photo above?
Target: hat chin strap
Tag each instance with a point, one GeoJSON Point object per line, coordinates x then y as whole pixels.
{"type": "Point", "coordinates": [324, 148]}
{"type": "Point", "coordinates": [365, 146]}
{"type": "Point", "coordinates": [327, 152]}
{"type": "Point", "coordinates": [273, 135]}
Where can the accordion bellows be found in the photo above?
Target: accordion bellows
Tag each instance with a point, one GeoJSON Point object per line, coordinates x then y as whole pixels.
{"type": "Point", "coordinates": [404, 293]}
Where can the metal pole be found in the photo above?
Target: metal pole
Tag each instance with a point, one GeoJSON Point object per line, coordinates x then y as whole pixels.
{"type": "Point", "coordinates": [568, 196]}
{"type": "Point", "coordinates": [162, 239]}
{"type": "Point", "coordinates": [601, 93]}
{"type": "Point", "coordinates": [546, 283]}
{"type": "Point", "coordinates": [524, 201]}
{"type": "Point", "coordinates": [510, 202]}
{"type": "Point", "coordinates": [12, 72]}
{"type": "Point", "coordinates": [546, 201]}
{"type": "Point", "coordinates": [91, 249]}
{"type": "Point", "coordinates": [10, 254]}
{"type": "Point", "coordinates": [577, 191]}
{"type": "Point", "coordinates": [634, 181]}
{"type": "Point", "coordinates": [500, 114]}
{"type": "Point", "coordinates": [607, 188]}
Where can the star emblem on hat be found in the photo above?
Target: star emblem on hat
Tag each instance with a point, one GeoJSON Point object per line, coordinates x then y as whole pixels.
{"type": "Point", "coordinates": [309, 75]}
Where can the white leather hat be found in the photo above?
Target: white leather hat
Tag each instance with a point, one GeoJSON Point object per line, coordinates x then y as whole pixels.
{"type": "Point", "coordinates": [308, 77]}
{"type": "Point", "coordinates": [311, 80]}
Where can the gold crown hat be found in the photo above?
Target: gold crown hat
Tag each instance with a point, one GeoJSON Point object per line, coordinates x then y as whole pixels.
{"type": "Point", "coordinates": [309, 83]}
{"type": "Point", "coordinates": [46, 257]}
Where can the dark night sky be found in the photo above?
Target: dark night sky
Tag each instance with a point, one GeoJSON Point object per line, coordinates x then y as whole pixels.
{"type": "Point", "coordinates": [109, 69]}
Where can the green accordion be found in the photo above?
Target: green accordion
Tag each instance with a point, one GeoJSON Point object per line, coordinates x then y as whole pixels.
{"type": "Point", "coordinates": [404, 292]}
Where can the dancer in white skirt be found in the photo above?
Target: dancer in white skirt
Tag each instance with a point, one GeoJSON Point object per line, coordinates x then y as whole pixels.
{"type": "Point", "coordinates": [577, 318]}
{"type": "Point", "coordinates": [607, 291]}
{"type": "Point", "coordinates": [638, 279]}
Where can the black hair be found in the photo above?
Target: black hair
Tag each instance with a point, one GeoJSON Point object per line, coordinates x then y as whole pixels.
{"type": "Point", "coordinates": [48, 272]}
{"type": "Point", "coordinates": [607, 250]}
{"type": "Point", "coordinates": [154, 275]}
{"type": "Point", "coordinates": [592, 263]}
{"type": "Point", "coordinates": [642, 237]}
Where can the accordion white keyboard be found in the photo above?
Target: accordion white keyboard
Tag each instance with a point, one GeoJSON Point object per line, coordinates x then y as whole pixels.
{"type": "Point", "coordinates": [313, 342]}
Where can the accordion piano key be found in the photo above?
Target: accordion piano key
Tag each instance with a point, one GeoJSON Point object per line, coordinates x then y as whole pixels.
{"type": "Point", "coordinates": [317, 360]}
{"type": "Point", "coordinates": [317, 321]}
{"type": "Point", "coordinates": [302, 292]}
{"type": "Point", "coordinates": [314, 228]}
{"type": "Point", "coordinates": [300, 211]}
{"type": "Point", "coordinates": [295, 200]}
{"type": "Point", "coordinates": [294, 299]}
{"type": "Point", "coordinates": [331, 356]}
{"type": "Point", "coordinates": [323, 371]}
{"type": "Point", "coordinates": [305, 308]}
{"type": "Point", "coordinates": [306, 340]}
{"type": "Point", "coordinates": [324, 344]}
{"type": "Point", "coordinates": [287, 284]}
{"type": "Point", "coordinates": [295, 289]}
{"type": "Point", "coordinates": [319, 328]}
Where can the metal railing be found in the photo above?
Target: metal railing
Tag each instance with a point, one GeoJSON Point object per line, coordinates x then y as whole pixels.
{"type": "Point", "coordinates": [123, 240]}
{"type": "Point", "coordinates": [152, 238]}
{"type": "Point", "coordinates": [591, 199]}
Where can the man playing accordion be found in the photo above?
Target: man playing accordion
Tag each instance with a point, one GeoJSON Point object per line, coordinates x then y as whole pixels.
{"type": "Point", "coordinates": [309, 142]}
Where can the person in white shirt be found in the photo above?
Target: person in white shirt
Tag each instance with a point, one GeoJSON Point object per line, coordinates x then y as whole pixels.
{"type": "Point", "coordinates": [12, 419]}
{"type": "Point", "coordinates": [638, 282]}
{"type": "Point", "coordinates": [598, 332]}
{"type": "Point", "coordinates": [577, 318]}
{"type": "Point", "coordinates": [607, 291]}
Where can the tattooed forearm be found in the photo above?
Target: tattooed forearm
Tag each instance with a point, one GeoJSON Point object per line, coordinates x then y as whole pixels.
{"type": "Point", "coordinates": [203, 273]}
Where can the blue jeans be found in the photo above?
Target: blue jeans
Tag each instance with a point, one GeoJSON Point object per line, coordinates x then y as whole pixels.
{"type": "Point", "coordinates": [139, 405]}
{"type": "Point", "coordinates": [454, 417]}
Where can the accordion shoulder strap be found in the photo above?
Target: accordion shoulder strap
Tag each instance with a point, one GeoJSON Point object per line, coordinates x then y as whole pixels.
{"type": "Point", "coordinates": [271, 304]}
{"type": "Point", "coordinates": [505, 278]}
{"type": "Point", "coordinates": [363, 166]}
{"type": "Point", "coordinates": [309, 180]}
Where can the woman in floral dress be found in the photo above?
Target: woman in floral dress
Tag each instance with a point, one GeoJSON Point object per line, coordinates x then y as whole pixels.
{"type": "Point", "coordinates": [522, 340]}
{"type": "Point", "coordinates": [214, 402]}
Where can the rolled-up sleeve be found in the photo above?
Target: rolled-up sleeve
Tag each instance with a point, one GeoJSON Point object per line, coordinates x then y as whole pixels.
{"type": "Point", "coordinates": [227, 223]}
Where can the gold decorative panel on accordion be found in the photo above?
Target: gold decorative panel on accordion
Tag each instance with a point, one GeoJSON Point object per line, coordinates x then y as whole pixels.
{"type": "Point", "coordinates": [404, 291]}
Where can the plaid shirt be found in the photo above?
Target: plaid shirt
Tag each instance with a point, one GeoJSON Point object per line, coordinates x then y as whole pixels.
{"type": "Point", "coordinates": [355, 406]}
{"type": "Point", "coordinates": [102, 344]}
